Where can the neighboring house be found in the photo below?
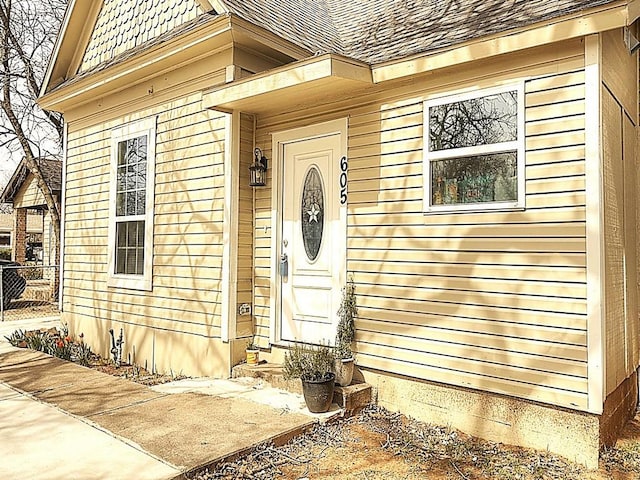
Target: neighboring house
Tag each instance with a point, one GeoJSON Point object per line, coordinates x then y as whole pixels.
{"type": "Point", "coordinates": [472, 163]}
{"type": "Point", "coordinates": [34, 228]}
{"type": "Point", "coordinates": [33, 237]}
{"type": "Point", "coordinates": [6, 229]}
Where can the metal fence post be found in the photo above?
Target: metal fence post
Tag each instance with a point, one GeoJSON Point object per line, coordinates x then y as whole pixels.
{"type": "Point", "coordinates": [2, 292]}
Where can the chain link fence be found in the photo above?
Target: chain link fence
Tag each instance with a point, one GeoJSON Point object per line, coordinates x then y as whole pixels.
{"type": "Point", "coordinates": [29, 291]}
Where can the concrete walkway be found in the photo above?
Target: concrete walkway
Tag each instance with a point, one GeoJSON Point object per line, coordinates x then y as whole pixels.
{"type": "Point", "coordinates": [59, 420]}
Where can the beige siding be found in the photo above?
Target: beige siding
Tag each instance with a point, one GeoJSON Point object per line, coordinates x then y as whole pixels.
{"type": "Point", "coordinates": [189, 205]}
{"type": "Point", "coordinates": [29, 194]}
{"type": "Point", "coordinates": [620, 167]}
{"type": "Point", "coordinates": [244, 324]}
{"type": "Point", "coordinates": [494, 301]}
{"type": "Point", "coordinates": [48, 242]}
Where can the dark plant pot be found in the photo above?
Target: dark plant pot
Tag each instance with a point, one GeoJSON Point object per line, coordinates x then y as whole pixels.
{"type": "Point", "coordinates": [318, 395]}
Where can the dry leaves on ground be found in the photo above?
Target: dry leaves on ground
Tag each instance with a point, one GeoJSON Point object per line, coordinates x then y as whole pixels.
{"type": "Point", "coordinates": [380, 445]}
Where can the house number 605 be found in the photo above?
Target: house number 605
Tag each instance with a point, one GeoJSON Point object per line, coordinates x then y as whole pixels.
{"type": "Point", "coordinates": [344, 165]}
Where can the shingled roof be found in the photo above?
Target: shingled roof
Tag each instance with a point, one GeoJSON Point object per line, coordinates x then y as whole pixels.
{"type": "Point", "coordinates": [370, 31]}
{"type": "Point", "coordinates": [51, 172]}
{"type": "Point", "coordinates": [376, 31]}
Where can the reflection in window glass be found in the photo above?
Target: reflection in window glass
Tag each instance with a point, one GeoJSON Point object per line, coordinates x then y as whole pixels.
{"type": "Point", "coordinates": [477, 121]}
{"type": "Point", "coordinates": [131, 185]}
{"type": "Point", "coordinates": [475, 150]}
{"type": "Point", "coordinates": [476, 179]}
{"type": "Point", "coordinates": [131, 178]}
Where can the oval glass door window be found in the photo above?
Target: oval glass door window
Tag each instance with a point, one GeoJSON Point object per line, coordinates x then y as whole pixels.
{"type": "Point", "coordinates": [312, 213]}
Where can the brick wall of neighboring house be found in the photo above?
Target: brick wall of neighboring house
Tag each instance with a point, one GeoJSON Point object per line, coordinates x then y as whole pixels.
{"type": "Point", "coordinates": [20, 233]}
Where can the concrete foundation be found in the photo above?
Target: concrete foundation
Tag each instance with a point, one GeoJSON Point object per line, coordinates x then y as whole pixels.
{"type": "Point", "coordinates": [574, 435]}
{"type": "Point", "coordinates": [619, 408]}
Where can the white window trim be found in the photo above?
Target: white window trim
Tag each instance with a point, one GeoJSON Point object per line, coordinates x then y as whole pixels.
{"type": "Point", "coordinates": [147, 127]}
{"type": "Point", "coordinates": [518, 145]}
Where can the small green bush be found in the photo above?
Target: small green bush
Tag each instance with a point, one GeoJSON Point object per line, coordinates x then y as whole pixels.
{"type": "Point", "coordinates": [5, 253]}
{"type": "Point", "coordinates": [308, 362]}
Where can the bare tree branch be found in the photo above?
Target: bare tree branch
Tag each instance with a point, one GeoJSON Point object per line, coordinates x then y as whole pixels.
{"type": "Point", "coordinates": [27, 30]}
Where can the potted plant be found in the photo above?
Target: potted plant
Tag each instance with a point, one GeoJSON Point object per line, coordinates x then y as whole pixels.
{"type": "Point", "coordinates": [344, 362]}
{"type": "Point", "coordinates": [252, 352]}
{"type": "Point", "coordinates": [313, 365]}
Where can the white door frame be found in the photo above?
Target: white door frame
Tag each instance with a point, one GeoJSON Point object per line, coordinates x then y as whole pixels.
{"type": "Point", "coordinates": [279, 140]}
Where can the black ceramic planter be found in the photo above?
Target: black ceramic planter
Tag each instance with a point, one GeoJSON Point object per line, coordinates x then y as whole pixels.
{"type": "Point", "coordinates": [318, 395]}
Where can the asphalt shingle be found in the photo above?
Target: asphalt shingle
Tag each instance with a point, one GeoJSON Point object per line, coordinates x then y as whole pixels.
{"type": "Point", "coordinates": [376, 31]}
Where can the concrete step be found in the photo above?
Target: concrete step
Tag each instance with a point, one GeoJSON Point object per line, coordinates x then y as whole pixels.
{"type": "Point", "coordinates": [352, 398]}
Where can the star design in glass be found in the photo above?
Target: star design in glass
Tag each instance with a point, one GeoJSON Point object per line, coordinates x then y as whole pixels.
{"type": "Point", "coordinates": [313, 213]}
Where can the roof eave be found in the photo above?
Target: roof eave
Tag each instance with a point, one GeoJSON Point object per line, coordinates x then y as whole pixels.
{"type": "Point", "coordinates": [62, 49]}
{"type": "Point", "coordinates": [306, 82]}
{"type": "Point", "coordinates": [223, 32]}
{"type": "Point", "coordinates": [209, 37]}
{"type": "Point", "coordinates": [15, 182]}
{"type": "Point", "coordinates": [633, 11]}
{"type": "Point", "coordinates": [559, 29]}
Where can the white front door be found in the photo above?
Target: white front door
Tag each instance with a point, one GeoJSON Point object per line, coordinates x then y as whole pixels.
{"type": "Point", "coordinates": [313, 238]}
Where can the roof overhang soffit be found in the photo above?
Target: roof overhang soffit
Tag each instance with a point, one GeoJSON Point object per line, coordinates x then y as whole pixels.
{"type": "Point", "coordinates": [305, 83]}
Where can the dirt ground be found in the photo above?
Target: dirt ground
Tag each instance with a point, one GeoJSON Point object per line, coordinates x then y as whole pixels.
{"type": "Point", "coordinates": [134, 373]}
{"type": "Point", "coordinates": [379, 445]}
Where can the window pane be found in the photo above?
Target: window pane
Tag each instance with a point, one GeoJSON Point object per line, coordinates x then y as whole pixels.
{"type": "Point", "coordinates": [122, 153]}
{"type": "Point", "coordinates": [140, 202]}
{"type": "Point", "coordinates": [141, 176]}
{"type": "Point", "coordinates": [121, 179]}
{"type": "Point", "coordinates": [121, 204]}
{"type": "Point", "coordinates": [130, 248]}
{"type": "Point", "coordinates": [131, 203]}
{"type": "Point", "coordinates": [121, 255]}
{"type": "Point", "coordinates": [477, 121]}
{"type": "Point", "coordinates": [140, 261]}
{"type": "Point", "coordinates": [131, 261]}
{"type": "Point", "coordinates": [312, 213]}
{"type": "Point", "coordinates": [477, 179]}
{"type": "Point", "coordinates": [131, 180]}
{"type": "Point", "coordinates": [132, 173]}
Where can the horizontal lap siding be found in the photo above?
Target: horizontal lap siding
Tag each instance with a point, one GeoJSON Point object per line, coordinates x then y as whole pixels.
{"type": "Point", "coordinates": [188, 224]}
{"type": "Point", "coordinates": [244, 326]}
{"type": "Point", "coordinates": [496, 300]}
{"type": "Point", "coordinates": [29, 194]}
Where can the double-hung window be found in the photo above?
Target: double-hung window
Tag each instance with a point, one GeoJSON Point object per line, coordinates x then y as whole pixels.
{"type": "Point", "coordinates": [131, 205]}
{"type": "Point", "coordinates": [474, 151]}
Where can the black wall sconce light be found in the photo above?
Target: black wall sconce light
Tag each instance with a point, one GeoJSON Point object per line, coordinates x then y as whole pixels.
{"type": "Point", "coordinates": [258, 169]}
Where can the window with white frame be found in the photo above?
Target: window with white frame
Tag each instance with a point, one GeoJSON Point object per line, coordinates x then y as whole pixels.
{"type": "Point", "coordinates": [474, 151]}
{"type": "Point", "coordinates": [131, 204]}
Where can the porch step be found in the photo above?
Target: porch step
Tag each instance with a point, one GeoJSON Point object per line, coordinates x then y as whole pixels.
{"type": "Point", "coordinates": [352, 398]}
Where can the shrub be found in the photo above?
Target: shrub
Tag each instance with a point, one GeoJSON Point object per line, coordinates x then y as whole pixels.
{"type": "Point", "coordinates": [308, 362]}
